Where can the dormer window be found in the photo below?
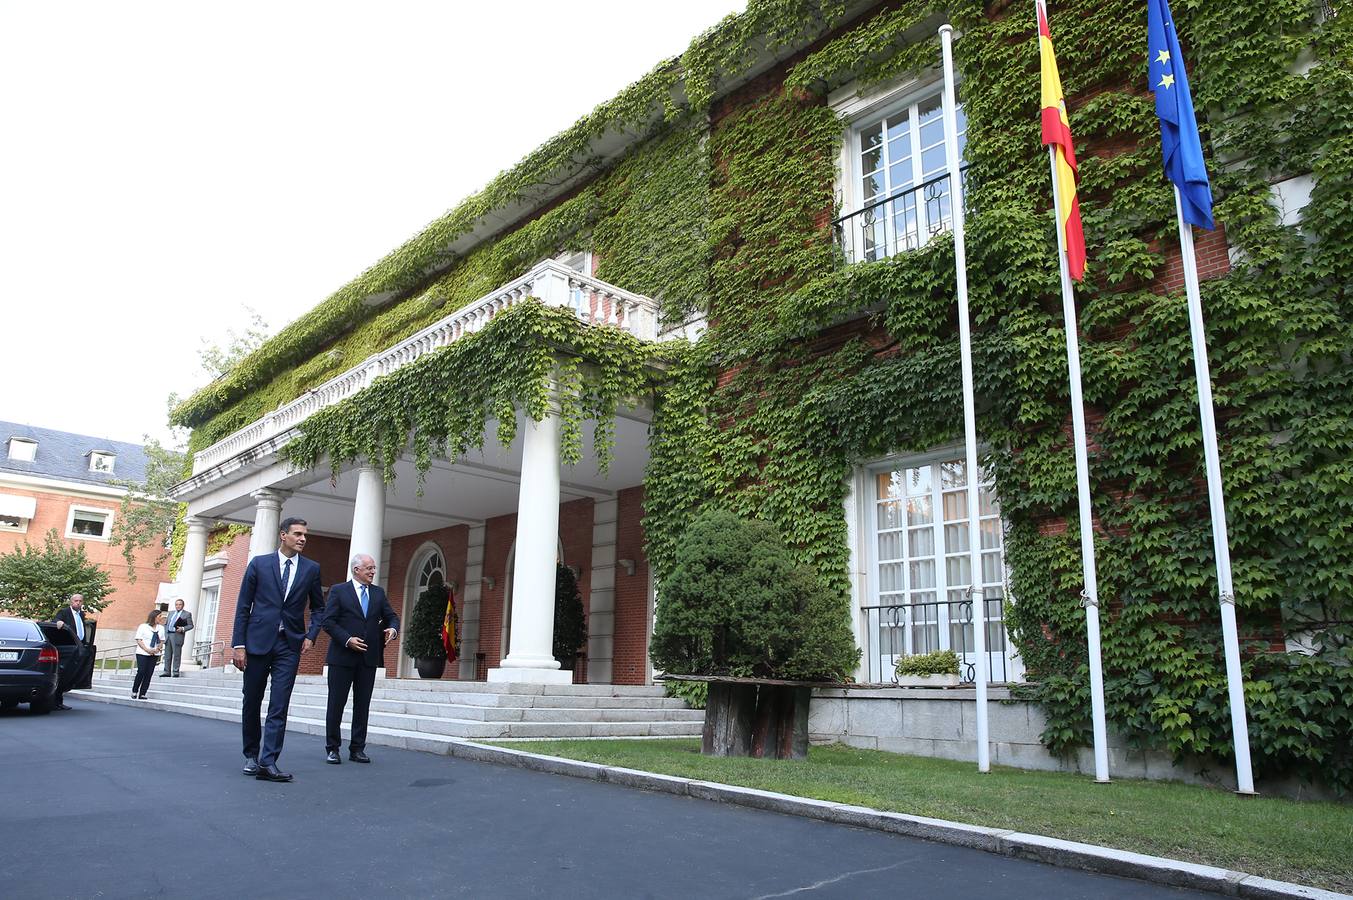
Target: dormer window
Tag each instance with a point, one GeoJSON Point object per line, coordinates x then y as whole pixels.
{"type": "Point", "coordinates": [22, 449]}
{"type": "Point", "coordinates": [102, 462]}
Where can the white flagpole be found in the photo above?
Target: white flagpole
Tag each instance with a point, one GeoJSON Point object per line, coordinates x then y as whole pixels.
{"type": "Point", "coordinates": [1240, 729]}
{"type": "Point", "coordinates": [976, 596]}
{"type": "Point", "coordinates": [1090, 595]}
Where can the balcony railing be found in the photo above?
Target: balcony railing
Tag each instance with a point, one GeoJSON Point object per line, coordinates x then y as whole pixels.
{"type": "Point", "coordinates": [554, 284]}
{"type": "Point", "coordinates": [906, 220]}
{"type": "Point", "coordinates": [905, 629]}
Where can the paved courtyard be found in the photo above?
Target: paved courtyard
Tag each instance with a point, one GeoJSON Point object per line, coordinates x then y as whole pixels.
{"type": "Point", "coordinates": [111, 801]}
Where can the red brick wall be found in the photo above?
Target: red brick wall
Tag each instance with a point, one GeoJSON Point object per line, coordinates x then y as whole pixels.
{"type": "Point", "coordinates": [237, 557]}
{"type": "Point", "coordinates": [453, 543]}
{"type": "Point", "coordinates": [630, 656]}
{"type": "Point", "coordinates": [129, 602]}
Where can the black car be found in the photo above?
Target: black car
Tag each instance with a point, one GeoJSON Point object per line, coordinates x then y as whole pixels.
{"type": "Point", "coordinates": [36, 658]}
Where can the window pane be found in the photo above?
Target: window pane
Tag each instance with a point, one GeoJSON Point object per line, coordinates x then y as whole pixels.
{"type": "Point", "coordinates": [890, 576]}
{"type": "Point", "coordinates": [918, 480]}
{"type": "Point", "coordinates": [919, 511]}
{"type": "Point", "coordinates": [958, 570]}
{"type": "Point", "coordinates": [920, 542]}
{"type": "Point", "coordinates": [954, 474]}
{"type": "Point", "coordinates": [986, 502]}
{"type": "Point", "coordinates": [871, 159]}
{"type": "Point", "coordinates": [899, 127]}
{"type": "Point", "coordinates": [889, 486]}
{"type": "Point", "coordinates": [890, 545]}
{"type": "Point", "coordinates": [933, 161]}
{"type": "Point", "coordinates": [871, 137]}
{"type": "Point", "coordinates": [889, 515]}
{"type": "Point", "coordinates": [955, 506]}
{"type": "Point", "coordinates": [899, 177]}
{"type": "Point", "coordinates": [991, 567]}
{"type": "Point", "coordinates": [991, 534]}
{"type": "Point", "coordinates": [923, 574]}
{"type": "Point", "coordinates": [956, 538]}
{"type": "Point", "coordinates": [872, 187]}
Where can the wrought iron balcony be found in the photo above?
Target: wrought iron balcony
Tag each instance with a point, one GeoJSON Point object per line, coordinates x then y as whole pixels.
{"type": "Point", "coordinates": [906, 220]}
{"type": "Point", "coordinates": [554, 284]}
{"type": "Point", "coordinates": [905, 629]}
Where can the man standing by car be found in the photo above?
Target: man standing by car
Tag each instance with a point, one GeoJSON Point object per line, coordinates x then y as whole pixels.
{"type": "Point", "coordinates": [176, 632]}
{"type": "Point", "coordinates": [361, 622]}
{"type": "Point", "coordinates": [270, 635]}
{"type": "Point", "coordinates": [71, 618]}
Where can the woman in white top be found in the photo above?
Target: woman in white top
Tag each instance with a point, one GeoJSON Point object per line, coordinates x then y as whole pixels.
{"type": "Point", "coordinates": [149, 646]}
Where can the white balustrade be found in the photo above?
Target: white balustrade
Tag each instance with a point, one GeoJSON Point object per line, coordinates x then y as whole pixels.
{"type": "Point", "coordinates": [594, 302]}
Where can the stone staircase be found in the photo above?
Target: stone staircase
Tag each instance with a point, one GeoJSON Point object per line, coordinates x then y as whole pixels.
{"type": "Point", "coordinates": [429, 715]}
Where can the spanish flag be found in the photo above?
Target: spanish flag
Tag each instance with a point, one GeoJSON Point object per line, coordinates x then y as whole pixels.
{"type": "Point", "coordinates": [449, 626]}
{"type": "Point", "coordinates": [1057, 133]}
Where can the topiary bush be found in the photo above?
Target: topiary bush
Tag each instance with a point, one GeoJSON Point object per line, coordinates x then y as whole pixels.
{"type": "Point", "coordinates": [737, 603]}
{"type": "Point", "coordinates": [423, 638]}
{"type": "Point", "coordinates": [570, 626]}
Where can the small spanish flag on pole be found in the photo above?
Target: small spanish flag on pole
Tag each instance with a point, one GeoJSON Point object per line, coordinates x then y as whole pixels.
{"type": "Point", "coordinates": [449, 626]}
{"type": "Point", "coordinates": [1057, 135]}
{"type": "Point", "coordinates": [1071, 264]}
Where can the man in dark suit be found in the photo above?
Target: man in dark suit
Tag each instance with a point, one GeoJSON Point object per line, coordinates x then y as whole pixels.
{"type": "Point", "coordinates": [72, 619]}
{"type": "Point", "coordinates": [176, 633]}
{"type": "Point", "coordinates": [360, 621]}
{"type": "Point", "coordinates": [270, 635]}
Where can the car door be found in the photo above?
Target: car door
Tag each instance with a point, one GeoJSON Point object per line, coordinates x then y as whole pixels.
{"type": "Point", "coordinates": [70, 650]}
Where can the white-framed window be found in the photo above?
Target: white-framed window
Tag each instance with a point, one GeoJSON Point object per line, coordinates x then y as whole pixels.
{"type": "Point", "coordinates": [16, 511]}
{"type": "Point", "coordinates": [13, 523]}
{"type": "Point", "coordinates": [577, 260]}
{"type": "Point", "coordinates": [919, 567]}
{"type": "Point", "coordinates": [895, 191]}
{"type": "Point", "coordinates": [102, 462]}
{"type": "Point", "coordinates": [89, 523]}
{"type": "Point", "coordinates": [22, 449]}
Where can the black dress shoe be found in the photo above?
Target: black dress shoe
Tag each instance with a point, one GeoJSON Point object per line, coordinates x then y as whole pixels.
{"type": "Point", "coordinates": [359, 756]}
{"type": "Point", "coordinates": [272, 773]}
{"type": "Point", "coordinates": [61, 706]}
{"type": "Point", "coordinates": [250, 766]}
{"type": "Point", "coordinates": [165, 675]}
{"type": "Point", "coordinates": [332, 758]}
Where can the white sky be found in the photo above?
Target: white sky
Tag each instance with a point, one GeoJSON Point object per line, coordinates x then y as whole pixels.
{"type": "Point", "coordinates": [164, 165]}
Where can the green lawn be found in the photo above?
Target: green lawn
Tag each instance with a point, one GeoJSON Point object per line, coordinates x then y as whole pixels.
{"type": "Point", "coordinates": [1303, 841]}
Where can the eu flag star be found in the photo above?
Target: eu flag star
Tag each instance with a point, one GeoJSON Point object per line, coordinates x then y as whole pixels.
{"type": "Point", "coordinates": [1167, 80]}
{"type": "Point", "coordinates": [1163, 56]}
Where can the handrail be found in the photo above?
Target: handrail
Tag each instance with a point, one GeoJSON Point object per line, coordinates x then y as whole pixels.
{"type": "Point", "coordinates": [113, 653]}
{"type": "Point", "coordinates": [205, 661]}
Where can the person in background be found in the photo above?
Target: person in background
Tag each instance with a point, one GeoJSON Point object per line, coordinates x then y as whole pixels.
{"type": "Point", "coordinates": [359, 618]}
{"type": "Point", "coordinates": [149, 646]}
{"type": "Point", "coordinates": [176, 632]}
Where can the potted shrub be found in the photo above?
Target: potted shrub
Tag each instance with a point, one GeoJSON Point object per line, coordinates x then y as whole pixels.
{"type": "Point", "coordinates": [938, 668]}
{"type": "Point", "coordinates": [570, 625]}
{"type": "Point", "coordinates": [423, 634]}
{"type": "Point", "coordinates": [738, 605]}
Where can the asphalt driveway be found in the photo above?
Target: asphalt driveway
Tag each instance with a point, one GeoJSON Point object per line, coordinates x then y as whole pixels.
{"type": "Point", "coordinates": [113, 801]}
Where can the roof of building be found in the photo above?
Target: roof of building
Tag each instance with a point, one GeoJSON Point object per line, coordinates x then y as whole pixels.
{"type": "Point", "coordinates": [65, 456]}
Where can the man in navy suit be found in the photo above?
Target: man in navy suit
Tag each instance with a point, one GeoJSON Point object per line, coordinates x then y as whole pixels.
{"type": "Point", "coordinates": [270, 634]}
{"type": "Point", "coordinates": [359, 619]}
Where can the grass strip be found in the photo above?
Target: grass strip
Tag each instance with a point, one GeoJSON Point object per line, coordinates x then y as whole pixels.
{"type": "Point", "coordinates": [1305, 841]}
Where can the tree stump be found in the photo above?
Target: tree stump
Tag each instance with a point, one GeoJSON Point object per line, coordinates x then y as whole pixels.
{"type": "Point", "coordinates": [761, 718]}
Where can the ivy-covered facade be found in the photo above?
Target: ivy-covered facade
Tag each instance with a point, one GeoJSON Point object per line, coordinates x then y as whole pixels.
{"type": "Point", "coordinates": [778, 184]}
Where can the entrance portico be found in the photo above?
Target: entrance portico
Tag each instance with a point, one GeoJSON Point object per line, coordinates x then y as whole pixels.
{"type": "Point", "coordinates": [245, 479]}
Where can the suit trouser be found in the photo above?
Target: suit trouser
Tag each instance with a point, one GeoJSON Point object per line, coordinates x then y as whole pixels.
{"type": "Point", "coordinates": [361, 680]}
{"type": "Point", "coordinates": [264, 742]}
{"type": "Point", "coordinates": [173, 652]}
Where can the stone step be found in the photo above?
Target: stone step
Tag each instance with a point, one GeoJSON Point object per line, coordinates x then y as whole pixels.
{"type": "Point", "coordinates": [184, 693]}
{"type": "Point", "coordinates": [397, 692]}
{"type": "Point", "coordinates": [406, 731]}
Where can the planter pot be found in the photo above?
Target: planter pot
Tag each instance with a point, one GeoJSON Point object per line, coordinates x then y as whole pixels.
{"type": "Point", "coordinates": [934, 681]}
{"type": "Point", "coordinates": [430, 668]}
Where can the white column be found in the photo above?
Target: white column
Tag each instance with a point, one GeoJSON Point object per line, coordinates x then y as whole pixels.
{"type": "Point", "coordinates": [368, 514]}
{"type": "Point", "coordinates": [194, 561]}
{"type": "Point", "coordinates": [267, 519]}
{"type": "Point", "coordinates": [531, 656]}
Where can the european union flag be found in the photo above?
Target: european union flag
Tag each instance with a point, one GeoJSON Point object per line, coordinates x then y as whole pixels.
{"type": "Point", "coordinates": [1180, 145]}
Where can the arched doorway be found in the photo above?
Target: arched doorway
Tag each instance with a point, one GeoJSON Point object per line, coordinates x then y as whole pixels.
{"type": "Point", "coordinates": [429, 568]}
